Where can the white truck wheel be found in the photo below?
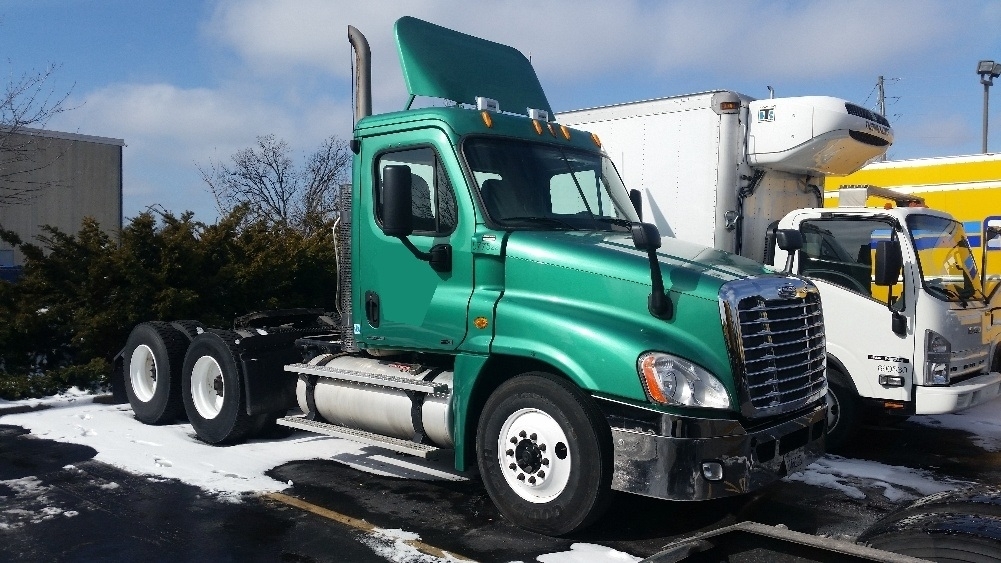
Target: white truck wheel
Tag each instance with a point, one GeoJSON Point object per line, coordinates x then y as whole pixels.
{"type": "Point", "coordinates": [154, 353]}
{"type": "Point", "coordinates": [212, 389]}
{"type": "Point", "coordinates": [545, 454]}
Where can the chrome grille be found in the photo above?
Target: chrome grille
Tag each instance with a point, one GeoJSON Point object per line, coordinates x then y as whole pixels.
{"type": "Point", "coordinates": [777, 346]}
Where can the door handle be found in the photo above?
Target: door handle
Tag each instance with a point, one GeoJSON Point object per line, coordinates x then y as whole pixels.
{"type": "Point", "coordinates": [372, 308]}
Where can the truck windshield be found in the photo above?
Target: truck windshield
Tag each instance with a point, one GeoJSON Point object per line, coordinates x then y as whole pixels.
{"type": "Point", "coordinates": [527, 185]}
{"type": "Point", "coordinates": [948, 269]}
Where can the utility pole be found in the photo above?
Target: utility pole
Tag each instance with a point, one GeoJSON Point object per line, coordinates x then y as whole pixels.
{"type": "Point", "coordinates": [882, 104]}
{"type": "Point", "coordinates": [882, 96]}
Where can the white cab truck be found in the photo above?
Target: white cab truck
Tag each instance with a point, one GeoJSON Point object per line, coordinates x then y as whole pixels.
{"type": "Point", "coordinates": [902, 293]}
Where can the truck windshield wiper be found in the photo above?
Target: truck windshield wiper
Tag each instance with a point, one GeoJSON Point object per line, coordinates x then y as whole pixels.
{"type": "Point", "coordinates": [547, 220]}
{"type": "Point", "coordinates": [613, 220]}
{"type": "Point", "coordinates": [952, 295]}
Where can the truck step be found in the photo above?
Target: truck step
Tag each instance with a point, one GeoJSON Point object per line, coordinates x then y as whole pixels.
{"type": "Point", "coordinates": [405, 383]}
{"type": "Point", "coordinates": [425, 451]}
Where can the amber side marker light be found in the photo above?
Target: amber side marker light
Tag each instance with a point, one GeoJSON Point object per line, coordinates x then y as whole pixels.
{"type": "Point", "coordinates": [650, 377]}
{"type": "Point", "coordinates": [893, 405]}
{"type": "Point", "coordinates": [487, 120]}
{"type": "Point", "coordinates": [729, 106]}
{"type": "Point", "coordinates": [480, 322]}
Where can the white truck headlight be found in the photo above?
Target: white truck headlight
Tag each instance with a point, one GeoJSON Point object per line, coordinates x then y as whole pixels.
{"type": "Point", "coordinates": [671, 380]}
{"type": "Point", "coordinates": [938, 358]}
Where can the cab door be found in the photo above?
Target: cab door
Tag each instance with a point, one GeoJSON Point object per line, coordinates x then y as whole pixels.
{"type": "Point", "coordinates": [399, 300]}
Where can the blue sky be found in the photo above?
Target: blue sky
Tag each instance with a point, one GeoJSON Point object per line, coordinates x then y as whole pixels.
{"type": "Point", "coordinates": [186, 83]}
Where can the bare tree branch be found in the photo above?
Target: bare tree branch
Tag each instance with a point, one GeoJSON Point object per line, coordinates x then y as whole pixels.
{"type": "Point", "coordinates": [265, 180]}
{"type": "Point", "coordinates": [26, 102]}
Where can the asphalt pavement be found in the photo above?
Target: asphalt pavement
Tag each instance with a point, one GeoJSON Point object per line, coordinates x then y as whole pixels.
{"type": "Point", "coordinates": [58, 504]}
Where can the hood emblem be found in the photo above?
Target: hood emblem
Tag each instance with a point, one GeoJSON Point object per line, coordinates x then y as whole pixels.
{"type": "Point", "coordinates": [788, 291]}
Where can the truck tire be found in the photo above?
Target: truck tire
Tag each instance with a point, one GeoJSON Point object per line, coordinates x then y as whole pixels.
{"type": "Point", "coordinates": [212, 389]}
{"type": "Point", "coordinates": [154, 354]}
{"type": "Point", "coordinates": [843, 411]}
{"type": "Point", "coordinates": [961, 525]}
{"type": "Point", "coordinates": [545, 454]}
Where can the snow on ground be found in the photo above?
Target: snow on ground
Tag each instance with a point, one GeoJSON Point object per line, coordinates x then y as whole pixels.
{"type": "Point", "coordinates": [984, 421]}
{"type": "Point", "coordinates": [850, 475]}
{"type": "Point", "coordinates": [902, 483]}
{"type": "Point", "coordinates": [173, 452]}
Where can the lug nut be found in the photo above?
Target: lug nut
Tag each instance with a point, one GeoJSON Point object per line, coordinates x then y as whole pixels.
{"type": "Point", "coordinates": [542, 447]}
{"type": "Point", "coordinates": [522, 434]}
{"type": "Point", "coordinates": [534, 436]}
{"type": "Point", "coordinates": [542, 474]}
{"type": "Point", "coordinates": [514, 440]}
{"type": "Point", "coordinates": [513, 466]}
{"type": "Point", "coordinates": [510, 452]}
{"type": "Point", "coordinates": [531, 480]}
{"type": "Point", "coordinates": [545, 461]}
{"type": "Point", "coordinates": [521, 476]}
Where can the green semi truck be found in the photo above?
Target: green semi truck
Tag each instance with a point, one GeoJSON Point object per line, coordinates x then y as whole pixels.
{"type": "Point", "coordinates": [503, 305]}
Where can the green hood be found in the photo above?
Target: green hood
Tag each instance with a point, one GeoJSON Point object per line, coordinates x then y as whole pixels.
{"type": "Point", "coordinates": [567, 292]}
{"type": "Point", "coordinates": [686, 267]}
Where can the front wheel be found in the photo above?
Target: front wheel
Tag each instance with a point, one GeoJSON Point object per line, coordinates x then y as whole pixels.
{"type": "Point", "coordinates": [843, 412]}
{"type": "Point", "coordinates": [212, 389]}
{"type": "Point", "coordinates": [545, 454]}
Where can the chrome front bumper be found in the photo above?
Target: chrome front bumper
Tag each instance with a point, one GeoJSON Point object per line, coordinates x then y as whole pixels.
{"type": "Point", "coordinates": [665, 456]}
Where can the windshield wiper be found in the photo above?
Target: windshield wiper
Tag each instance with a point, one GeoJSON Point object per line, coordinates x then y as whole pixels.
{"type": "Point", "coordinates": [547, 220]}
{"type": "Point", "coordinates": [952, 295]}
{"type": "Point", "coordinates": [613, 220]}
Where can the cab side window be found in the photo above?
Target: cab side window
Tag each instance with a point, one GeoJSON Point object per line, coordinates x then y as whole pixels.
{"type": "Point", "coordinates": [840, 251]}
{"type": "Point", "coordinates": [434, 208]}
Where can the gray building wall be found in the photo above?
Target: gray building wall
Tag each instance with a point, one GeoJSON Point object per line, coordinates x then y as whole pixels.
{"type": "Point", "coordinates": [61, 178]}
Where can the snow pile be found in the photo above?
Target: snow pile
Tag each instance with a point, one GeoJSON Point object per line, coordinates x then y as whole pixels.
{"type": "Point", "coordinates": [851, 475]}
{"type": "Point", "coordinates": [586, 553]}
{"type": "Point", "coordinates": [173, 452]}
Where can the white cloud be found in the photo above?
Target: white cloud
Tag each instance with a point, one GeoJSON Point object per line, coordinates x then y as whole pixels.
{"type": "Point", "coordinates": [575, 39]}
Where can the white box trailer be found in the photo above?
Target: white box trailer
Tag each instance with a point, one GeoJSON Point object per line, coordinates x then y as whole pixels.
{"type": "Point", "coordinates": [725, 170]}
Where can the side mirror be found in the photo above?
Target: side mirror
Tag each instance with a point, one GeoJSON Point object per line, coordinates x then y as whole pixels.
{"type": "Point", "coordinates": [789, 240]}
{"type": "Point", "coordinates": [397, 201]}
{"type": "Point", "coordinates": [888, 263]}
{"type": "Point", "coordinates": [990, 233]}
{"type": "Point", "coordinates": [637, 199]}
{"type": "Point", "coordinates": [646, 236]}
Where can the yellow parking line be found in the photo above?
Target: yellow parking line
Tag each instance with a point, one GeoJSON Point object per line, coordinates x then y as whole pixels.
{"type": "Point", "coordinates": [359, 524]}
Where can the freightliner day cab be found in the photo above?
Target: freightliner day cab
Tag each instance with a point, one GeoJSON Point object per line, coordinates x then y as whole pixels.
{"type": "Point", "coordinates": [503, 305]}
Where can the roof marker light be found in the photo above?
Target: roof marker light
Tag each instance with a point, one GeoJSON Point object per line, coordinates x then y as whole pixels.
{"type": "Point", "coordinates": [487, 104]}
{"type": "Point", "coordinates": [565, 131]}
{"type": "Point", "coordinates": [540, 114]}
{"type": "Point", "coordinates": [487, 120]}
{"type": "Point", "coordinates": [537, 125]}
{"type": "Point", "coordinates": [597, 141]}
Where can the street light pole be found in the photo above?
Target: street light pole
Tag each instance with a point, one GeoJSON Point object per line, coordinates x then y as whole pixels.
{"type": "Point", "coordinates": [988, 71]}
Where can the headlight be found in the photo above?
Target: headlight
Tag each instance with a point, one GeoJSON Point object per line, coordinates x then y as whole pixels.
{"type": "Point", "coordinates": [938, 358]}
{"type": "Point", "coordinates": [671, 380]}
